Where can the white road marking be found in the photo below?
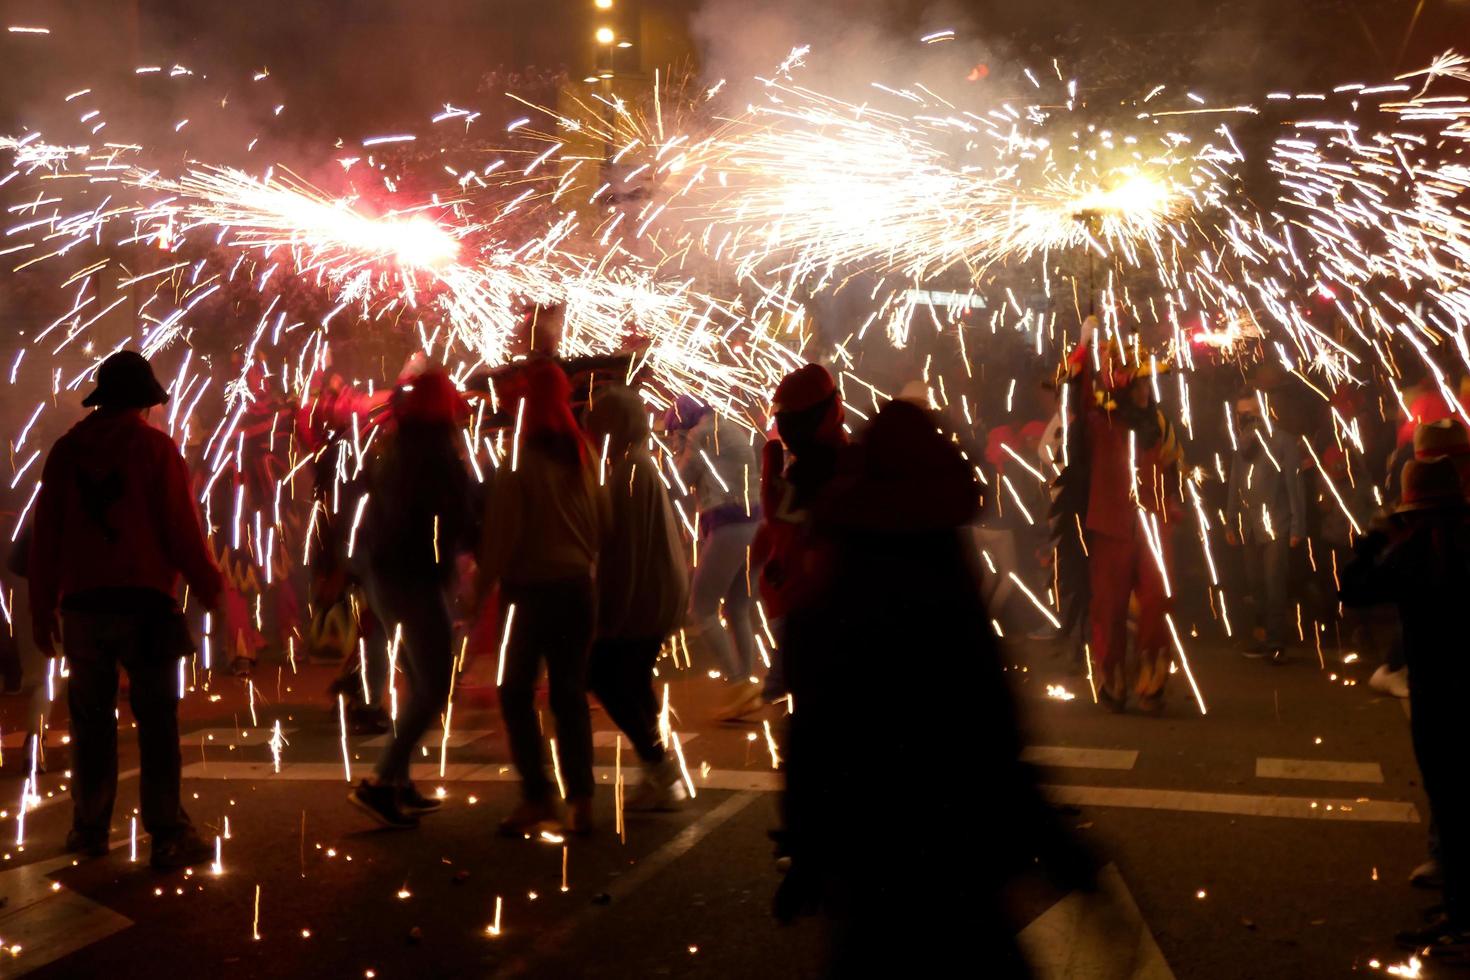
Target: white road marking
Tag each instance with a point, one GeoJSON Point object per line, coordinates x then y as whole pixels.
{"type": "Point", "coordinates": [609, 739]}
{"type": "Point", "coordinates": [1067, 757]}
{"type": "Point", "coordinates": [1298, 807]}
{"type": "Point", "coordinates": [620, 887]}
{"type": "Point", "coordinates": [1339, 772]}
{"type": "Point", "coordinates": [225, 737]}
{"type": "Point", "coordinates": [457, 739]}
{"type": "Point", "coordinates": [755, 780]}
{"type": "Point", "coordinates": [45, 922]}
{"type": "Point", "coordinates": [1094, 937]}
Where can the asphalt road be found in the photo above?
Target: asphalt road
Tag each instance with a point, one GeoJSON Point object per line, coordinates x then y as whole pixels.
{"type": "Point", "coordinates": [1214, 866]}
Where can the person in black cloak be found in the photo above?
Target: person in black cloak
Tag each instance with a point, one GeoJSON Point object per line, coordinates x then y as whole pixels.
{"type": "Point", "coordinates": [900, 896]}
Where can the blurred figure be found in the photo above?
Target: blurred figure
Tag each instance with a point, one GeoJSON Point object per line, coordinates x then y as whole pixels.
{"type": "Point", "coordinates": [1266, 516]}
{"type": "Point", "coordinates": [642, 588]}
{"type": "Point", "coordinates": [115, 528]}
{"type": "Point", "coordinates": [906, 904]}
{"type": "Point", "coordinates": [1419, 559]}
{"type": "Point", "coordinates": [545, 521]}
{"type": "Point", "coordinates": [1132, 457]}
{"type": "Point", "coordinates": [793, 559]}
{"type": "Point", "coordinates": [718, 464]}
{"type": "Point", "coordinates": [39, 679]}
{"type": "Point", "coordinates": [417, 521]}
{"type": "Point", "coordinates": [1066, 516]}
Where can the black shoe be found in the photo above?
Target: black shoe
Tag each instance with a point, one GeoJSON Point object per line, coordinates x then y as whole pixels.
{"type": "Point", "coordinates": [181, 851]}
{"type": "Point", "coordinates": [411, 801]}
{"type": "Point", "coordinates": [381, 803]}
{"type": "Point", "coordinates": [1113, 703]}
{"type": "Point", "coordinates": [88, 842]}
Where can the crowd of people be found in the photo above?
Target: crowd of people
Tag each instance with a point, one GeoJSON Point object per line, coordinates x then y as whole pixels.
{"type": "Point", "coordinates": [819, 552]}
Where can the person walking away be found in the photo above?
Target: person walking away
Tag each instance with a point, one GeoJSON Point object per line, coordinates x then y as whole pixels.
{"type": "Point", "coordinates": [902, 579]}
{"type": "Point", "coordinates": [545, 519]}
{"type": "Point", "coordinates": [1132, 458]}
{"type": "Point", "coordinates": [115, 528]}
{"type": "Point", "coordinates": [717, 461]}
{"type": "Point", "coordinates": [418, 520]}
{"type": "Point", "coordinates": [1266, 517]}
{"type": "Point", "coordinates": [1064, 442]}
{"type": "Point", "coordinates": [39, 676]}
{"type": "Point", "coordinates": [795, 467]}
{"type": "Point", "coordinates": [642, 589]}
{"type": "Point", "coordinates": [1419, 559]}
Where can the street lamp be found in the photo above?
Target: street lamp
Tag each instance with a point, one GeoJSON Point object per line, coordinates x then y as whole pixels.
{"type": "Point", "coordinates": [602, 4]}
{"type": "Point", "coordinates": [604, 35]}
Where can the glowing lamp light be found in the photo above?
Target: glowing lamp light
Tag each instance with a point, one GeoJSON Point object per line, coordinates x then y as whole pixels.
{"type": "Point", "coordinates": [604, 35]}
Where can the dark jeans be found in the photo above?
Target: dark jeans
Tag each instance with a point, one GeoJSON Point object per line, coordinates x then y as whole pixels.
{"type": "Point", "coordinates": [620, 673]}
{"type": "Point", "coordinates": [96, 643]}
{"type": "Point", "coordinates": [1438, 748]}
{"type": "Point", "coordinates": [1267, 571]}
{"type": "Point", "coordinates": [553, 622]}
{"type": "Point", "coordinates": [427, 657]}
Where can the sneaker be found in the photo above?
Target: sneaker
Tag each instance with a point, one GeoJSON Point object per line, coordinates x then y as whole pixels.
{"type": "Point", "coordinates": [1428, 875]}
{"type": "Point", "coordinates": [412, 801]}
{"type": "Point", "coordinates": [579, 816]}
{"type": "Point", "coordinates": [381, 803]}
{"type": "Point", "coordinates": [181, 851]}
{"type": "Point", "coordinates": [1441, 935]}
{"type": "Point", "coordinates": [530, 818]}
{"type": "Point", "coordinates": [662, 789]}
{"type": "Point", "coordinates": [1255, 651]}
{"type": "Point", "coordinates": [742, 699]}
{"type": "Point", "coordinates": [90, 843]}
{"type": "Point", "coordinates": [1394, 682]}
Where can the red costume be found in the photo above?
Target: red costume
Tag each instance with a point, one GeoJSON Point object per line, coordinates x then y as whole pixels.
{"type": "Point", "coordinates": [1132, 455]}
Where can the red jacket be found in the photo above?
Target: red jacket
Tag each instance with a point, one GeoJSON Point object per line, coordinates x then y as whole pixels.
{"type": "Point", "coordinates": [115, 511]}
{"type": "Point", "coordinates": [1121, 483]}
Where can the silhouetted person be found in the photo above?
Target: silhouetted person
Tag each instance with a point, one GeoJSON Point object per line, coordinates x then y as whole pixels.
{"type": "Point", "coordinates": [1419, 559]}
{"type": "Point", "coordinates": [1132, 457]}
{"type": "Point", "coordinates": [642, 588]}
{"type": "Point", "coordinates": [545, 519]}
{"type": "Point", "coordinates": [1266, 515]}
{"type": "Point", "coordinates": [115, 529]}
{"type": "Point", "coordinates": [717, 462]}
{"type": "Point", "coordinates": [417, 521]}
{"type": "Point", "coordinates": [796, 467]}
{"type": "Point", "coordinates": [907, 899]}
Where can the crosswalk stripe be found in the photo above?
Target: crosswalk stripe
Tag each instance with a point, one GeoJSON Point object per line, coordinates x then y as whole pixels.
{"type": "Point", "coordinates": [1068, 757]}
{"type": "Point", "coordinates": [45, 922]}
{"type": "Point", "coordinates": [1298, 807]}
{"type": "Point", "coordinates": [1323, 769]}
{"type": "Point", "coordinates": [231, 736]}
{"type": "Point", "coordinates": [1096, 936]}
